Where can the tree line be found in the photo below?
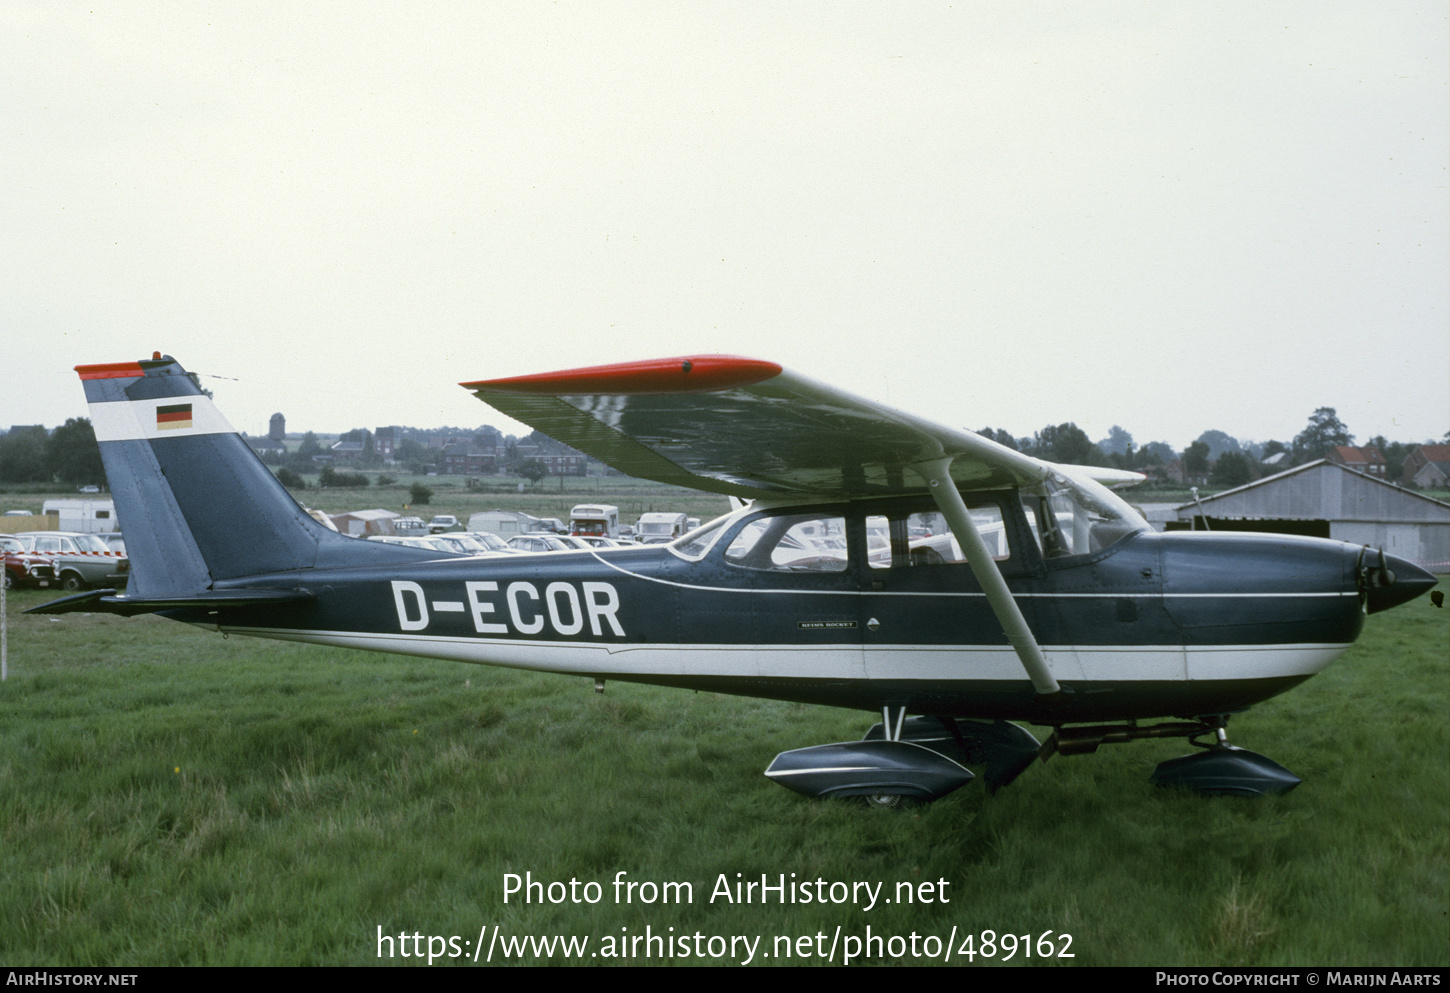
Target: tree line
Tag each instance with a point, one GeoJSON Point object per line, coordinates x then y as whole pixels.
{"type": "Point", "coordinates": [411, 453]}
{"type": "Point", "coordinates": [1215, 456]}
{"type": "Point", "coordinates": [69, 454]}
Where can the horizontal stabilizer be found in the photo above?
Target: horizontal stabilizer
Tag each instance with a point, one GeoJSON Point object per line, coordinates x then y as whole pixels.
{"type": "Point", "coordinates": [110, 602]}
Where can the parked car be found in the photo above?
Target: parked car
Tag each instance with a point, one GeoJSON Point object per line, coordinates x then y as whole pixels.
{"type": "Point", "coordinates": [444, 522]}
{"type": "Point", "coordinates": [490, 541]}
{"type": "Point", "coordinates": [23, 568]}
{"type": "Point", "coordinates": [416, 541]}
{"type": "Point", "coordinates": [538, 543]}
{"type": "Point", "coordinates": [599, 541]}
{"type": "Point", "coordinates": [79, 560]}
{"type": "Point", "coordinates": [467, 544]}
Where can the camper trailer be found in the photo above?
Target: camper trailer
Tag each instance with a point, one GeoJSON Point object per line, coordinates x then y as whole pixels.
{"type": "Point", "coordinates": [504, 523]}
{"type": "Point", "coordinates": [86, 516]}
{"type": "Point", "coordinates": [659, 528]}
{"type": "Point", "coordinates": [594, 519]}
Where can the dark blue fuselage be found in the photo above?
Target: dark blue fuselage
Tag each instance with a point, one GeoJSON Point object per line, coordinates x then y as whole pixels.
{"type": "Point", "coordinates": [1155, 624]}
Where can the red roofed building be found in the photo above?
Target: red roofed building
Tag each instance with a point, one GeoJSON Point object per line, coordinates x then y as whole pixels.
{"type": "Point", "coordinates": [1367, 460]}
{"type": "Point", "coordinates": [1428, 467]}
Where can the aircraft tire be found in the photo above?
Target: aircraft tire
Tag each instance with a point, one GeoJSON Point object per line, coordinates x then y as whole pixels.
{"type": "Point", "coordinates": [892, 801]}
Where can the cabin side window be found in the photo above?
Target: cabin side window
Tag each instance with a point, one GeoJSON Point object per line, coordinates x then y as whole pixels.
{"type": "Point", "coordinates": [696, 543]}
{"type": "Point", "coordinates": [923, 538]}
{"type": "Point", "coordinates": [791, 543]}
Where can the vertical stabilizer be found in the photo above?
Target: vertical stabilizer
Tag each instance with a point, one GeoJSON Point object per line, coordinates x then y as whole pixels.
{"type": "Point", "coordinates": [195, 502]}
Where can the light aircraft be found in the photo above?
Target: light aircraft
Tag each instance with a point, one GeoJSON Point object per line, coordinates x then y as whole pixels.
{"type": "Point", "coordinates": [834, 581]}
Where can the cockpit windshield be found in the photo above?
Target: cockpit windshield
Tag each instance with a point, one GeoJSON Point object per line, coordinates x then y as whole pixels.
{"type": "Point", "coordinates": [1078, 516]}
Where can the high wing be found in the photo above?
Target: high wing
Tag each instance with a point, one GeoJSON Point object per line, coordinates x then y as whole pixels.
{"type": "Point", "coordinates": [749, 428]}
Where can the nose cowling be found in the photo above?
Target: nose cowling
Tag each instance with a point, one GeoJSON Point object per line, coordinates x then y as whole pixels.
{"type": "Point", "coordinates": [1388, 580]}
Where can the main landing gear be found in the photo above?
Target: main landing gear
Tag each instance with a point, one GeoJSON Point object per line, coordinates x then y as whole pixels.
{"type": "Point", "coordinates": [925, 758]}
{"type": "Point", "coordinates": [921, 758]}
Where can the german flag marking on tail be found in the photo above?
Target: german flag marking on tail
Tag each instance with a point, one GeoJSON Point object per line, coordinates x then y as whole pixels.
{"type": "Point", "coordinates": [173, 416]}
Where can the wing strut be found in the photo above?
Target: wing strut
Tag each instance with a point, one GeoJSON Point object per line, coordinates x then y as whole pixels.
{"type": "Point", "coordinates": [937, 474]}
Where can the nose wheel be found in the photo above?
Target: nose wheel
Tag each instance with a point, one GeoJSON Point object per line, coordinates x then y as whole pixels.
{"type": "Point", "coordinates": [1218, 769]}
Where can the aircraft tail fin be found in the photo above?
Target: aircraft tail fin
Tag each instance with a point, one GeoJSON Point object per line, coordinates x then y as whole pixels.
{"type": "Point", "coordinates": [196, 504]}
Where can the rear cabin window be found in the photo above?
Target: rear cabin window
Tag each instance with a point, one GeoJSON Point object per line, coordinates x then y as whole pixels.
{"type": "Point", "coordinates": [791, 543]}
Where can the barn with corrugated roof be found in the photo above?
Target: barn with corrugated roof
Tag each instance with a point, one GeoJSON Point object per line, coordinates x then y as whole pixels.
{"type": "Point", "coordinates": [1326, 500]}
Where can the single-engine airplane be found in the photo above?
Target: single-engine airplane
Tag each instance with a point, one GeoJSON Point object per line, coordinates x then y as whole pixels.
{"type": "Point", "coordinates": [874, 561]}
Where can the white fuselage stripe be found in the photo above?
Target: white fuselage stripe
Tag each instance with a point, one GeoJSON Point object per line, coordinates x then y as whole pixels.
{"type": "Point", "coordinates": [998, 663]}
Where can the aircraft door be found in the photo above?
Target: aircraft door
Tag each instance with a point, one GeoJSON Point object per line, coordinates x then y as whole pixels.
{"type": "Point", "coordinates": [923, 613]}
{"type": "Point", "coordinates": [794, 594]}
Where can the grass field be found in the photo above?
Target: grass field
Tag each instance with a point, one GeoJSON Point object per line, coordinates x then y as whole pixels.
{"type": "Point", "coordinates": [168, 796]}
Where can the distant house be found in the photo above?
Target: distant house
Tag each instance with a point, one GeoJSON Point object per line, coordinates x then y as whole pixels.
{"type": "Point", "coordinates": [563, 465]}
{"type": "Point", "coordinates": [1367, 460]}
{"type": "Point", "coordinates": [1177, 472]}
{"type": "Point", "coordinates": [1327, 500]}
{"type": "Point", "coordinates": [1428, 467]}
{"type": "Point", "coordinates": [557, 457]}
{"type": "Point", "coordinates": [384, 441]}
{"type": "Point", "coordinates": [347, 451]}
{"type": "Point", "coordinates": [265, 446]}
{"type": "Point", "coordinates": [470, 458]}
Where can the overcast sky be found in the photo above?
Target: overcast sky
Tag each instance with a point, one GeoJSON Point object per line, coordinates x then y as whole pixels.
{"type": "Point", "coordinates": [1172, 217]}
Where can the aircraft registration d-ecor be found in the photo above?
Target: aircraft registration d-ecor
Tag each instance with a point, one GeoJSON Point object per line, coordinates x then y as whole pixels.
{"type": "Point", "coordinates": [874, 561]}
